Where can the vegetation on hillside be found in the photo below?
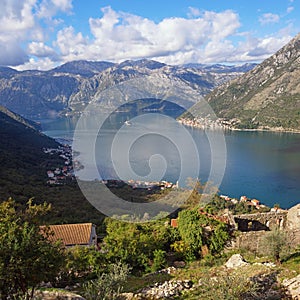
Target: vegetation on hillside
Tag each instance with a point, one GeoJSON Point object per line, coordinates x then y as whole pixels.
{"type": "Point", "coordinates": [27, 257]}
{"type": "Point", "coordinates": [266, 97]}
{"type": "Point", "coordinates": [23, 173]}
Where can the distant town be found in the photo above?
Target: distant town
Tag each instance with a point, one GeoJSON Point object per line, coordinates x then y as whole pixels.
{"type": "Point", "coordinates": [207, 123]}
{"type": "Point", "coordinates": [61, 175]}
{"type": "Point", "coordinates": [251, 202]}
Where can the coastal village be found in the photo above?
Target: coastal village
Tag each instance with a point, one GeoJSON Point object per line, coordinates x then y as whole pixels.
{"type": "Point", "coordinates": [252, 202]}
{"type": "Point", "coordinates": [207, 123]}
{"type": "Point", "coordinates": [138, 184]}
{"type": "Point", "coordinates": [61, 175]}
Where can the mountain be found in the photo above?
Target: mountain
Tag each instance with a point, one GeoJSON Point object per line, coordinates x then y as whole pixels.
{"type": "Point", "coordinates": [22, 158]}
{"type": "Point", "coordinates": [23, 172]}
{"type": "Point", "coordinates": [219, 68]}
{"type": "Point", "coordinates": [71, 87]}
{"type": "Point", "coordinates": [266, 97]}
{"type": "Point", "coordinates": [18, 118]}
{"type": "Point", "coordinates": [82, 67]}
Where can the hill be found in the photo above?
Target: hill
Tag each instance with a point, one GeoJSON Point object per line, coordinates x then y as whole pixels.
{"type": "Point", "coordinates": [71, 87]}
{"type": "Point", "coordinates": [266, 97]}
{"type": "Point", "coordinates": [23, 172]}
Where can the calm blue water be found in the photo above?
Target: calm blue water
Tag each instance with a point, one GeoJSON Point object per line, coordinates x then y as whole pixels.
{"type": "Point", "coordinates": [260, 165]}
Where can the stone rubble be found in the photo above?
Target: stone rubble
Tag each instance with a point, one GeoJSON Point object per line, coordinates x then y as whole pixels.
{"type": "Point", "coordinates": [57, 295]}
{"type": "Point", "coordinates": [166, 290]}
{"type": "Point", "coordinates": [293, 287]}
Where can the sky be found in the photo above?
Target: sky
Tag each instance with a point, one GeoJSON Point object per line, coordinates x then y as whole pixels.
{"type": "Point", "coordinates": [42, 34]}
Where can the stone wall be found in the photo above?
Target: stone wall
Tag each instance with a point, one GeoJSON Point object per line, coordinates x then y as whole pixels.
{"type": "Point", "coordinates": [261, 221]}
{"type": "Point", "coordinates": [252, 240]}
{"type": "Point", "coordinates": [249, 240]}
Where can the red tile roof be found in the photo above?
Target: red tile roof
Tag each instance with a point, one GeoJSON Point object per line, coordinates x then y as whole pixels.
{"type": "Point", "coordinates": [72, 234]}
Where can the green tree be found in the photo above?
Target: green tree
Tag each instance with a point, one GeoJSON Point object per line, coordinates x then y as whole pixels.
{"type": "Point", "coordinates": [191, 231]}
{"type": "Point", "coordinates": [219, 238]}
{"type": "Point", "coordinates": [197, 229]}
{"type": "Point", "coordinates": [134, 244]}
{"type": "Point", "coordinates": [81, 263]}
{"type": "Point", "coordinates": [27, 257]}
{"type": "Point", "coordinates": [273, 244]}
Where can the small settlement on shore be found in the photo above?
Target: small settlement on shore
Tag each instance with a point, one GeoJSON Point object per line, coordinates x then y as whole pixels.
{"type": "Point", "coordinates": [61, 174]}
{"type": "Point", "coordinates": [207, 123]}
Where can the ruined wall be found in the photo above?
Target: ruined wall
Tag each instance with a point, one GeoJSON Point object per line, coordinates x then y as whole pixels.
{"type": "Point", "coordinates": [253, 227]}
{"type": "Point", "coordinates": [261, 221]}
{"type": "Point", "coordinates": [249, 240]}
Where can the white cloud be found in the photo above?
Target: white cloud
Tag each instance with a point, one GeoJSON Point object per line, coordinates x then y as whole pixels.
{"type": "Point", "coordinates": [119, 36]}
{"type": "Point", "coordinates": [269, 18]}
{"type": "Point", "coordinates": [63, 5]}
{"type": "Point", "coordinates": [49, 8]}
{"type": "Point", "coordinates": [16, 16]}
{"type": "Point", "coordinates": [11, 53]}
{"type": "Point", "coordinates": [194, 12]}
{"type": "Point", "coordinates": [22, 27]}
{"type": "Point", "coordinates": [17, 24]}
{"type": "Point", "coordinates": [37, 64]}
{"type": "Point", "coordinates": [257, 49]}
{"type": "Point", "coordinates": [204, 37]}
{"type": "Point", "coordinates": [39, 49]}
{"type": "Point", "coordinates": [290, 9]}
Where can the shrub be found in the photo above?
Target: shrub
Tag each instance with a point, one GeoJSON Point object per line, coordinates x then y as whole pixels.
{"type": "Point", "coordinates": [159, 260]}
{"type": "Point", "coordinates": [108, 286]}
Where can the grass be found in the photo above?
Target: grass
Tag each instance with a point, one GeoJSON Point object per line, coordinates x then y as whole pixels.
{"type": "Point", "coordinates": [218, 282]}
{"type": "Point", "coordinates": [134, 283]}
{"type": "Point", "coordinates": [293, 263]}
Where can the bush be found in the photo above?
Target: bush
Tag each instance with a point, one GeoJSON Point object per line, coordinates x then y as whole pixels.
{"type": "Point", "coordinates": [108, 286]}
{"type": "Point", "coordinates": [225, 287]}
{"type": "Point", "coordinates": [81, 263]}
{"type": "Point", "coordinates": [197, 230]}
{"type": "Point", "coordinates": [135, 244]}
{"type": "Point", "coordinates": [274, 243]}
{"type": "Point", "coordinates": [159, 260]}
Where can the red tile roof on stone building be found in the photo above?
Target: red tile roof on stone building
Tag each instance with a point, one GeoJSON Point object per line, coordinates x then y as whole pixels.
{"type": "Point", "coordinates": [72, 234]}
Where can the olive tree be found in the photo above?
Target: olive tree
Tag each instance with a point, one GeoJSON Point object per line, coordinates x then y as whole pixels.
{"type": "Point", "coordinates": [27, 257]}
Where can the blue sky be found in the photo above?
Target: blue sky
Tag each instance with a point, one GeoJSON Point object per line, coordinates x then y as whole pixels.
{"type": "Point", "coordinates": [41, 34]}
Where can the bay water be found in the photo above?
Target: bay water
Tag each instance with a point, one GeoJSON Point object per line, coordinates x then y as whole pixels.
{"type": "Point", "coordinates": [261, 165]}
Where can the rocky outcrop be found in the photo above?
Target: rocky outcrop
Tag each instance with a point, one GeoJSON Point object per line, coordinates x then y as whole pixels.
{"type": "Point", "coordinates": [165, 290]}
{"type": "Point", "coordinates": [293, 218]}
{"type": "Point", "coordinates": [236, 261]}
{"type": "Point", "coordinates": [293, 287]}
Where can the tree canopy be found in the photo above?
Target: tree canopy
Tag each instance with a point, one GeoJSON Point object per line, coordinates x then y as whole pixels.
{"type": "Point", "coordinates": [27, 257]}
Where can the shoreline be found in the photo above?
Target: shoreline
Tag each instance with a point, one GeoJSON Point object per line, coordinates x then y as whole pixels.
{"type": "Point", "coordinates": [217, 125]}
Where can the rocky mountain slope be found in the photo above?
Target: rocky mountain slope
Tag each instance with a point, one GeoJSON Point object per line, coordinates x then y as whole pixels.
{"type": "Point", "coordinates": [267, 96]}
{"type": "Point", "coordinates": [70, 87]}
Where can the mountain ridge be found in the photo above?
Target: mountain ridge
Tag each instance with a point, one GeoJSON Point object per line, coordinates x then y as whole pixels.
{"type": "Point", "coordinates": [70, 87]}
{"type": "Point", "coordinates": [266, 97]}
